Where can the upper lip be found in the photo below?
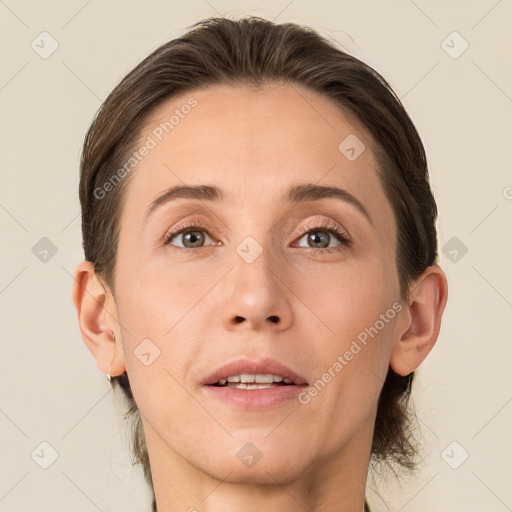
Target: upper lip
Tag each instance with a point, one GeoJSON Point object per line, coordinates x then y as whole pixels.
{"type": "Point", "coordinates": [253, 367]}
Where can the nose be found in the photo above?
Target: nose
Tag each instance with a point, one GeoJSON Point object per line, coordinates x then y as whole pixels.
{"type": "Point", "coordinates": [257, 296]}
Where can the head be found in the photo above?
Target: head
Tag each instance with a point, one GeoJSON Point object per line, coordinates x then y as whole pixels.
{"type": "Point", "coordinates": [247, 111]}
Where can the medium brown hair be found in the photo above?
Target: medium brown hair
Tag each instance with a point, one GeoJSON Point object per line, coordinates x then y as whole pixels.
{"type": "Point", "coordinates": [257, 51]}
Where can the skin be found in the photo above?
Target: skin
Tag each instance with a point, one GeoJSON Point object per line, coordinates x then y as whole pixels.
{"type": "Point", "coordinates": [255, 144]}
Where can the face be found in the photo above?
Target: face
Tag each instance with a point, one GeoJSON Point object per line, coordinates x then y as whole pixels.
{"type": "Point", "coordinates": [308, 281]}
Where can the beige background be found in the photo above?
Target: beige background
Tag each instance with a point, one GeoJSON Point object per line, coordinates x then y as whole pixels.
{"type": "Point", "coordinates": [51, 388]}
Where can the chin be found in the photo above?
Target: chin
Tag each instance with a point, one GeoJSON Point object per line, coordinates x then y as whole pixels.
{"type": "Point", "coordinates": [261, 461]}
{"type": "Point", "coordinates": [265, 472]}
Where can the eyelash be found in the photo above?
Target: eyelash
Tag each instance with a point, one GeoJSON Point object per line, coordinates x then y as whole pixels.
{"type": "Point", "coordinates": [322, 226]}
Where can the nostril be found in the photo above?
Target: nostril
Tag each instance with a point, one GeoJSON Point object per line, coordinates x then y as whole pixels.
{"type": "Point", "coordinates": [274, 319]}
{"type": "Point", "coordinates": [239, 319]}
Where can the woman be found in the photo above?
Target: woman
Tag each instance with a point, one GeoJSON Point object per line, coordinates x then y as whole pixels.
{"type": "Point", "coordinates": [260, 271]}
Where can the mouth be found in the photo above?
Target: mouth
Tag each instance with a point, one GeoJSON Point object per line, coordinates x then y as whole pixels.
{"type": "Point", "coordinates": [254, 384]}
{"type": "Point", "coordinates": [251, 381]}
{"type": "Point", "coordinates": [250, 374]}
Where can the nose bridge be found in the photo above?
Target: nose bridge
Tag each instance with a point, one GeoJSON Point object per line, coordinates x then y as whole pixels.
{"type": "Point", "coordinates": [256, 295]}
{"type": "Point", "coordinates": [255, 252]}
{"type": "Point", "coordinates": [255, 268]}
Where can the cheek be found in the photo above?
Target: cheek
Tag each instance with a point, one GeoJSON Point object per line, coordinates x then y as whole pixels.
{"type": "Point", "coordinates": [346, 300]}
{"type": "Point", "coordinates": [156, 298]}
{"type": "Point", "coordinates": [163, 314]}
{"type": "Point", "coordinates": [161, 341]}
{"type": "Point", "coordinates": [355, 312]}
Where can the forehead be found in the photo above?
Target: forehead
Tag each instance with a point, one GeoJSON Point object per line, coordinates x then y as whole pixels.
{"type": "Point", "coordinates": [250, 139]}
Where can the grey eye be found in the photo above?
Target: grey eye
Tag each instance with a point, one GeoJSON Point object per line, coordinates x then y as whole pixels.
{"type": "Point", "coordinates": [190, 239]}
{"type": "Point", "coordinates": [318, 239]}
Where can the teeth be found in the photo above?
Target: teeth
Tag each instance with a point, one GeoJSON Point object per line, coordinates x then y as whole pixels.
{"type": "Point", "coordinates": [246, 378]}
{"type": "Point", "coordinates": [242, 385]}
{"type": "Point", "coordinates": [264, 379]}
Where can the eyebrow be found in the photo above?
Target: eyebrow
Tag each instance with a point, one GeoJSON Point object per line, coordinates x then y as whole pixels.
{"type": "Point", "coordinates": [299, 193]}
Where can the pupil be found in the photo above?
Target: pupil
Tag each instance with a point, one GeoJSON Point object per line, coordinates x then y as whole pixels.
{"type": "Point", "coordinates": [193, 237]}
{"type": "Point", "coordinates": [318, 239]}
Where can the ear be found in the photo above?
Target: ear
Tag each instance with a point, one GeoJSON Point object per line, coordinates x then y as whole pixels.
{"type": "Point", "coordinates": [97, 318]}
{"type": "Point", "coordinates": [421, 321]}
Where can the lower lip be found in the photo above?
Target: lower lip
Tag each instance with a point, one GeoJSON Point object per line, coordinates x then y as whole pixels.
{"type": "Point", "coordinates": [255, 399]}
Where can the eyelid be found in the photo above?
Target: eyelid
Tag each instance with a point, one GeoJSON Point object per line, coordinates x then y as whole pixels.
{"type": "Point", "coordinates": [183, 227]}
{"type": "Point", "coordinates": [325, 225]}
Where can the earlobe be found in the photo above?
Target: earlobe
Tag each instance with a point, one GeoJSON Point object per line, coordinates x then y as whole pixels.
{"type": "Point", "coordinates": [427, 302]}
{"type": "Point", "coordinates": [97, 319]}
